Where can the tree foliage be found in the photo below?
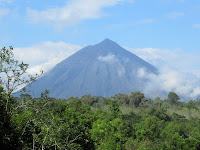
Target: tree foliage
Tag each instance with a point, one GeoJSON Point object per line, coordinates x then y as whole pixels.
{"type": "Point", "coordinates": [173, 98]}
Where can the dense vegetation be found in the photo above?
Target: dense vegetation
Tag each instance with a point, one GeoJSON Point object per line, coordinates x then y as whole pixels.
{"type": "Point", "coordinates": [124, 121]}
{"type": "Point", "coordinates": [120, 122]}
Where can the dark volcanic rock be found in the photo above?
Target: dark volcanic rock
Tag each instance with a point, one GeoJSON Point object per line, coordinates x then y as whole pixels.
{"type": "Point", "coordinates": [104, 69]}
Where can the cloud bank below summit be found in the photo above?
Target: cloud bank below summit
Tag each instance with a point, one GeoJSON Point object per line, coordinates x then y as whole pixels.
{"type": "Point", "coordinates": [178, 72]}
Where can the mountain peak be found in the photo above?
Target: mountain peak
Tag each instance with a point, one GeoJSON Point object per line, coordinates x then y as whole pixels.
{"type": "Point", "coordinates": [107, 41]}
{"type": "Point", "coordinates": [108, 44]}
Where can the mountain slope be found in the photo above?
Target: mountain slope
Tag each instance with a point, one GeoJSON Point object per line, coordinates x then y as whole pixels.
{"type": "Point", "coordinates": [104, 69]}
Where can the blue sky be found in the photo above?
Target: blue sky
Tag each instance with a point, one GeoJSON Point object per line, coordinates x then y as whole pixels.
{"type": "Point", "coordinates": [135, 23]}
{"type": "Point", "coordinates": [165, 33]}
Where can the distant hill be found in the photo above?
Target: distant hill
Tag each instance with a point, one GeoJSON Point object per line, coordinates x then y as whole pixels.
{"type": "Point", "coordinates": [104, 69]}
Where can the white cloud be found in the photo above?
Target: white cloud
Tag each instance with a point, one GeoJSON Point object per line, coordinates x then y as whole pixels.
{"type": "Point", "coordinates": [72, 13]}
{"type": "Point", "coordinates": [121, 70]}
{"type": "Point", "coordinates": [179, 72]}
{"type": "Point", "coordinates": [174, 15]}
{"type": "Point", "coordinates": [4, 12]}
{"type": "Point", "coordinates": [141, 73]}
{"type": "Point", "coordinates": [113, 60]}
{"type": "Point", "coordinates": [187, 86]}
{"type": "Point", "coordinates": [110, 58]}
{"type": "Point", "coordinates": [45, 55]}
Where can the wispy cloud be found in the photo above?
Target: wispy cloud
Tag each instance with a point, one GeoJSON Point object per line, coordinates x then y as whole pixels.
{"type": "Point", "coordinates": [174, 15]}
{"type": "Point", "coordinates": [4, 12]}
{"type": "Point", "coordinates": [72, 13]}
{"type": "Point", "coordinates": [110, 58]}
{"type": "Point", "coordinates": [197, 26]}
{"type": "Point", "coordinates": [5, 1]}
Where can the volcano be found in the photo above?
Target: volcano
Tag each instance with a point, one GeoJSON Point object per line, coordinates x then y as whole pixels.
{"type": "Point", "coordinates": [104, 69]}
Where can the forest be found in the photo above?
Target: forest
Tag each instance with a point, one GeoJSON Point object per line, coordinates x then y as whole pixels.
{"type": "Point", "coordinates": [121, 122]}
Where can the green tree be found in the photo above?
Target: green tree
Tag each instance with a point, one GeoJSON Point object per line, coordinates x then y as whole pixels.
{"type": "Point", "coordinates": [190, 104]}
{"type": "Point", "coordinates": [114, 109]}
{"type": "Point", "coordinates": [8, 134]}
{"type": "Point", "coordinates": [136, 98]}
{"type": "Point", "coordinates": [110, 131]}
{"type": "Point", "coordinates": [173, 98]}
{"type": "Point", "coordinates": [12, 75]}
{"type": "Point", "coordinates": [77, 123]}
{"type": "Point", "coordinates": [149, 129]}
{"type": "Point", "coordinates": [88, 99]}
{"type": "Point", "coordinates": [122, 98]}
{"type": "Point", "coordinates": [110, 134]}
